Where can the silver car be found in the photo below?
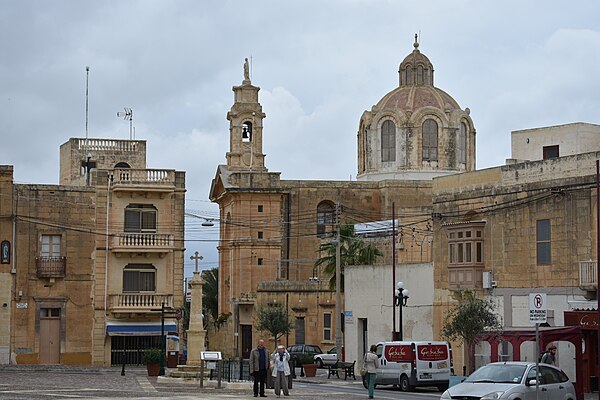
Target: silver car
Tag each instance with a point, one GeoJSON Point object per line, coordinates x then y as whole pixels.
{"type": "Point", "coordinates": [513, 380]}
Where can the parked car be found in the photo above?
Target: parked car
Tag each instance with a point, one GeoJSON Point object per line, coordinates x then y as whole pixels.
{"type": "Point", "coordinates": [328, 358]}
{"type": "Point", "coordinates": [513, 380]}
{"type": "Point", "coordinates": [298, 349]}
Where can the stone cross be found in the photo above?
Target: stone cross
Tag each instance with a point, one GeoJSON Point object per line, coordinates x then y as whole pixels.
{"type": "Point", "coordinates": [196, 257]}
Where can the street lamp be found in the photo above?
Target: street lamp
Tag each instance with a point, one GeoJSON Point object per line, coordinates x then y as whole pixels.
{"type": "Point", "coordinates": [401, 297]}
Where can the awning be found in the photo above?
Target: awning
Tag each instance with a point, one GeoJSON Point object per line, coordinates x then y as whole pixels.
{"type": "Point", "coordinates": [130, 328]}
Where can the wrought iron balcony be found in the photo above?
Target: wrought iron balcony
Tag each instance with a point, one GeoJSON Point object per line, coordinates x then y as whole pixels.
{"type": "Point", "coordinates": [51, 267]}
{"type": "Point", "coordinates": [139, 302]}
{"type": "Point", "coordinates": [149, 242]}
{"type": "Point", "coordinates": [588, 275]}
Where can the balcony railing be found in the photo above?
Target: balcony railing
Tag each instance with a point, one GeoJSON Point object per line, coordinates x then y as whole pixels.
{"type": "Point", "coordinates": [139, 302]}
{"type": "Point", "coordinates": [51, 267]}
{"type": "Point", "coordinates": [143, 241]}
{"type": "Point", "coordinates": [128, 176]}
{"type": "Point", "coordinates": [588, 275]}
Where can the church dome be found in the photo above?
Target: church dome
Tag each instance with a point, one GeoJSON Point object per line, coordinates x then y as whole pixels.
{"type": "Point", "coordinates": [416, 131]}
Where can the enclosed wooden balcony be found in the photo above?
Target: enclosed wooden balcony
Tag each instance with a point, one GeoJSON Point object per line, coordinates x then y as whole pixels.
{"type": "Point", "coordinates": [143, 242]}
{"type": "Point", "coordinates": [51, 267]}
{"type": "Point", "coordinates": [139, 302]}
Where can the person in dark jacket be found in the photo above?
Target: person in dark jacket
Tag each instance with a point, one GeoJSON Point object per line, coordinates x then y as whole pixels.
{"type": "Point", "coordinates": [259, 364]}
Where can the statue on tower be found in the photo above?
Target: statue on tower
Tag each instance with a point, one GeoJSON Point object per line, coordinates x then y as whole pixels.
{"type": "Point", "coordinates": [246, 70]}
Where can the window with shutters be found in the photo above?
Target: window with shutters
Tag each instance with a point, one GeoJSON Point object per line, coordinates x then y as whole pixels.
{"type": "Point", "coordinates": [543, 243]}
{"type": "Point", "coordinates": [140, 218]}
{"type": "Point", "coordinates": [388, 141]}
{"type": "Point", "coordinates": [139, 278]}
{"type": "Point", "coordinates": [430, 140]}
{"type": "Point", "coordinates": [326, 327]}
{"type": "Point", "coordinates": [50, 247]}
{"type": "Point", "coordinates": [325, 218]}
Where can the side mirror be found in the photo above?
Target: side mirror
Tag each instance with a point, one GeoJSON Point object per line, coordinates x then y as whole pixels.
{"type": "Point", "coordinates": [531, 382]}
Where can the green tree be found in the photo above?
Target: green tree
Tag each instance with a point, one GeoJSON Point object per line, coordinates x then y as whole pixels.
{"type": "Point", "coordinates": [275, 320]}
{"type": "Point", "coordinates": [210, 298]}
{"type": "Point", "coordinates": [470, 317]}
{"type": "Point", "coordinates": [353, 251]}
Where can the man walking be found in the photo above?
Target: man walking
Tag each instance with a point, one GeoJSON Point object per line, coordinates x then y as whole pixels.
{"type": "Point", "coordinates": [259, 363]}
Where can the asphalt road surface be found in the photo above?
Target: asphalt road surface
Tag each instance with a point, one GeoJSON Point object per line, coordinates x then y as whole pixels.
{"type": "Point", "coordinates": [21, 384]}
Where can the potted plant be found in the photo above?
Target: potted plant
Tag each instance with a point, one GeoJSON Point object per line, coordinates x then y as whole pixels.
{"type": "Point", "coordinates": [152, 359]}
{"type": "Point", "coordinates": [308, 363]}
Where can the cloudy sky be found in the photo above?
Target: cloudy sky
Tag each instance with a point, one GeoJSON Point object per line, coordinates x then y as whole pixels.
{"type": "Point", "coordinates": [516, 64]}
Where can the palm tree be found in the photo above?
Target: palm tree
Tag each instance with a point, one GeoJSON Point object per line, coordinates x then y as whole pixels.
{"type": "Point", "coordinates": [210, 293]}
{"type": "Point", "coordinates": [353, 251]}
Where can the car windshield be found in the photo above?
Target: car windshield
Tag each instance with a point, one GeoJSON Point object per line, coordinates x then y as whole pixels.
{"type": "Point", "coordinates": [498, 373]}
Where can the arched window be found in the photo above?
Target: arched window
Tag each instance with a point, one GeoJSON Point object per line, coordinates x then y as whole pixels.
{"type": "Point", "coordinates": [461, 143]}
{"type": "Point", "coordinates": [409, 77]}
{"type": "Point", "coordinates": [325, 217]}
{"type": "Point", "coordinates": [139, 278]}
{"type": "Point", "coordinates": [247, 131]}
{"type": "Point", "coordinates": [388, 141]}
{"type": "Point", "coordinates": [420, 75]}
{"type": "Point", "coordinates": [122, 164]}
{"type": "Point", "coordinates": [430, 140]}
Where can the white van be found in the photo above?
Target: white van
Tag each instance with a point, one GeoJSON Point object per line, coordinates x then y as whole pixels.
{"type": "Point", "coordinates": [412, 364]}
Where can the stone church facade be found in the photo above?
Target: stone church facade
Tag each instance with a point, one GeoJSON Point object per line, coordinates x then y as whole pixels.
{"type": "Point", "coordinates": [271, 228]}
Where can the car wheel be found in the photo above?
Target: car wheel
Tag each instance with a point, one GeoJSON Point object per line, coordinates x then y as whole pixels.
{"type": "Point", "coordinates": [319, 362]}
{"type": "Point", "coordinates": [405, 385]}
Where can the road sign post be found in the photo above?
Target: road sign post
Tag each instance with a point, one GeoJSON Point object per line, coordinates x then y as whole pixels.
{"type": "Point", "coordinates": [538, 313]}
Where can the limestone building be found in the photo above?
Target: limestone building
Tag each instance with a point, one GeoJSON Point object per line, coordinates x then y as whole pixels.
{"type": "Point", "coordinates": [93, 259]}
{"type": "Point", "coordinates": [525, 227]}
{"type": "Point", "coordinates": [271, 228]}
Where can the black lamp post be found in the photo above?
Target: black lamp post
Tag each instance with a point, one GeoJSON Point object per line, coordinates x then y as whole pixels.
{"type": "Point", "coordinates": [401, 297]}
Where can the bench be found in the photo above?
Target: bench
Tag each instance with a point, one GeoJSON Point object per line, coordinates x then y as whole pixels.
{"type": "Point", "coordinates": [341, 366]}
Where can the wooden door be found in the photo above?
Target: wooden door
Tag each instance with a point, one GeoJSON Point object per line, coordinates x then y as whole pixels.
{"type": "Point", "coordinates": [246, 340]}
{"type": "Point", "coordinates": [49, 336]}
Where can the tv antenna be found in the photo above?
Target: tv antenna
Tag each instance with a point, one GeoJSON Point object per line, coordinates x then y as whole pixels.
{"type": "Point", "coordinates": [127, 116]}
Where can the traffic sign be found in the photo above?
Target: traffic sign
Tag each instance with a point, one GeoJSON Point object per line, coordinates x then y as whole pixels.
{"type": "Point", "coordinates": [538, 308]}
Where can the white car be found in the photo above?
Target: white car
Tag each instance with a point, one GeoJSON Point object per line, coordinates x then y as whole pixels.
{"type": "Point", "coordinates": [324, 359]}
{"type": "Point", "coordinates": [513, 380]}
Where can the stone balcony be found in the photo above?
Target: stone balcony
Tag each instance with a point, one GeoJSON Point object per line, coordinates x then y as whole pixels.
{"type": "Point", "coordinates": [143, 242]}
{"type": "Point", "coordinates": [139, 302]}
{"type": "Point", "coordinates": [51, 267]}
{"type": "Point", "coordinates": [588, 275]}
{"type": "Point", "coordinates": [148, 180]}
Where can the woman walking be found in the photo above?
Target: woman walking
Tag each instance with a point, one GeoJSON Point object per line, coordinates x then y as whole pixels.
{"type": "Point", "coordinates": [371, 364]}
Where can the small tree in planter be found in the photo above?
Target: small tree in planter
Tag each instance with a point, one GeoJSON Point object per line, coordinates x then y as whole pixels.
{"type": "Point", "coordinates": [307, 362]}
{"type": "Point", "coordinates": [275, 320]}
{"type": "Point", "coordinates": [152, 359]}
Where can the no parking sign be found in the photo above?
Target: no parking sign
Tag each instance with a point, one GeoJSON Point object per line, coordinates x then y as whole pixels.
{"type": "Point", "coordinates": [538, 309]}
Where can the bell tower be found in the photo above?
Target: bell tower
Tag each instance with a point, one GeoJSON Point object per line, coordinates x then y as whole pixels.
{"type": "Point", "coordinates": [246, 127]}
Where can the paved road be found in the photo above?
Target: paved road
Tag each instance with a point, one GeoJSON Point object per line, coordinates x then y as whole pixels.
{"type": "Point", "coordinates": [81, 383]}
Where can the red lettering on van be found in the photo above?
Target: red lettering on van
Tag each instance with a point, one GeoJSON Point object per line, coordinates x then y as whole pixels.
{"type": "Point", "coordinates": [432, 352]}
{"type": "Point", "coordinates": [397, 353]}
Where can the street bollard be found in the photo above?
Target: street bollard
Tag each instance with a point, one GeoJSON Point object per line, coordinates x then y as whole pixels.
{"type": "Point", "coordinates": [123, 367]}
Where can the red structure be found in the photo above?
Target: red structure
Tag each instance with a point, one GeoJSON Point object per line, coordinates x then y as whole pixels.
{"type": "Point", "coordinates": [584, 362]}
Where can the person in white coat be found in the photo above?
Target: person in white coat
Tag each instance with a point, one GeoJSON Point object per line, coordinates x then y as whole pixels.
{"type": "Point", "coordinates": [280, 366]}
{"type": "Point", "coordinates": [371, 364]}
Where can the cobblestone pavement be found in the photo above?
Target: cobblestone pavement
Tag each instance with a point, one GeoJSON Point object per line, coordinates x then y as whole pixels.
{"type": "Point", "coordinates": [38, 382]}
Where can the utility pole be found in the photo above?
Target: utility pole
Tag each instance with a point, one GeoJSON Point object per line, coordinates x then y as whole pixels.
{"type": "Point", "coordinates": [338, 284]}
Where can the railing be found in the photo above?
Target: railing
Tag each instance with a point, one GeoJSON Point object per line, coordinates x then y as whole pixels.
{"type": "Point", "coordinates": [51, 267]}
{"type": "Point", "coordinates": [107, 144]}
{"type": "Point", "coordinates": [147, 240]}
{"type": "Point", "coordinates": [132, 302]}
{"type": "Point", "coordinates": [129, 176]}
{"type": "Point", "coordinates": [588, 275]}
